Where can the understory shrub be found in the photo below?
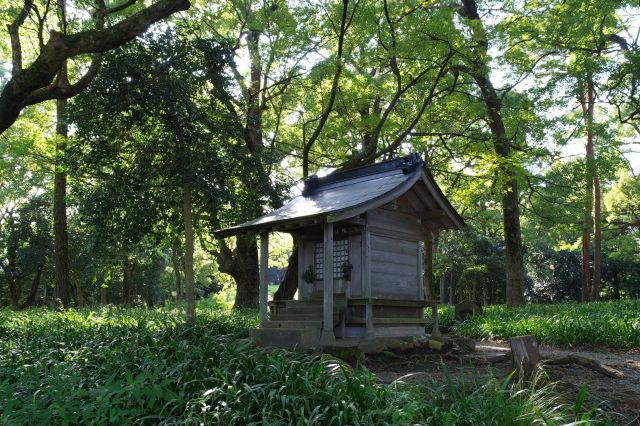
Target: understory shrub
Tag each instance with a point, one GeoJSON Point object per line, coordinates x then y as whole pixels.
{"type": "Point", "coordinates": [123, 366]}
{"type": "Point", "coordinates": [613, 323]}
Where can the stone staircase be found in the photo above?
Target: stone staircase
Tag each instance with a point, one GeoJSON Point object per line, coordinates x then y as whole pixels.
{"type": "Point", "coordinates": [298, 323]}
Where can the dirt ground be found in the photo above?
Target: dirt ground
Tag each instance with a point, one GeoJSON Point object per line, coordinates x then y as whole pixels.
{"type": "Point", "coordinates": [619, 397]}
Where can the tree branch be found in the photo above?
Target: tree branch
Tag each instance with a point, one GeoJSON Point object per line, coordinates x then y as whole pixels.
{"type": "Point", "coordinates": [334, 88]}
{"type": "Point", "coordinates": [61, 47]}
{"type": "Point", "coordinates": [14, 29]}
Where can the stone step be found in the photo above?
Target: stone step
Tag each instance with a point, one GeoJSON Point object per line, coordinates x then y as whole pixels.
{"type": "Point", "coordinates": [314, 304]}
{"type": "Point", "coordinates": [339, 300]}
{"type": "Point", "coordinates": [288, 338]}
{"type": "Point", "coordinates": [289, 323]}
{"type": "Point", "coordinates": [316, 310]}
{"type": "Point", "coordinates": [310, 311]}
{"type": "Point", "coordinates": [296, 316]}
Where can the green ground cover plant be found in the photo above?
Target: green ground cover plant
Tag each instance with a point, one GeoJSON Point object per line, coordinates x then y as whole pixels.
{"type": "Point", "coordinates": [614, 324]}
{"type": "Point", "coordinates": [121, 366]}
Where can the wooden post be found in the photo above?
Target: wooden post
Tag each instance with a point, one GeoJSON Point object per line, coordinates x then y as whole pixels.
{"type": "Point", "coordinates": [366, 281]}
{"type": "Point", "coordinates": [264, 285]}
{"type": "Point", "coordinates": [327, 336]}
{"type": "Point", "coordinates": [302, 292]}
{"type": "Point", "coordinates": [422, 274]}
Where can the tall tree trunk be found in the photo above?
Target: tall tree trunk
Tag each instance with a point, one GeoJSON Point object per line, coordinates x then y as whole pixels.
{"type": "Point", "coordinates": [35, 284]}
{"type": "Point", "coordinates": [246, 273]}
{"type": "Point", "coordinates": [152, 295]}
{"type": "Point", "coordinates": [103, 295]}
{"type": "Point", "coordinates": [478, 69]}
{"type": "Point", "coordinates": [513, 241]}
{"type": "Point", "coordinates": [616, 285]}
{"type": "Point", "coordinates": [126, 281]}
{"type": "Point", "coordinates": [587, 104]}
{"type": "Point", "coordinates": [253, 137]}
{"type": "Point", "coordinates": [79, 293]}
{"type": "Point", "coordinates": [14, 296]}
{"type": "Point", "coordinates": [451, 300]}
{"type": "Point", "coordinates": [289, 284]}
{"type": "Point", "coordinates": [427, 265]}
{"type": "Point", "coordinates": [189, 289]}
{"type": "Point", "coordinates": [175, 260]}
{"type": "Point", "coordinates": [242, 265]}
{"type": "Point", "coordinates": [597, 239]}
{"type": "Point", "coordinates": [60, 233]}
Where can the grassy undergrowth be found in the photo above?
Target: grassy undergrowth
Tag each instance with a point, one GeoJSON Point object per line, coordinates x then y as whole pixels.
{"type": "Point", "coordinates": [615, 324]}
{"type": "Point", "coordinates": [123, 366]}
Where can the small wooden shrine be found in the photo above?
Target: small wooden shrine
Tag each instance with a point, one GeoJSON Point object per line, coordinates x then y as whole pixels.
{"type": "Point", "coordinates": [360, 254]}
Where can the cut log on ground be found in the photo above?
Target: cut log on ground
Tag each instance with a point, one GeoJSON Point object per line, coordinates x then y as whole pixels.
{"type": "Point", "coordinates": [587, 363]}
{"type": "Point", "coordinates": [526, 354]}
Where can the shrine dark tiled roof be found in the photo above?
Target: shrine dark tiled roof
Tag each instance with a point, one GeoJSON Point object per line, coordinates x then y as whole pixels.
{"type": "Point", "coordinates": [347, 194]}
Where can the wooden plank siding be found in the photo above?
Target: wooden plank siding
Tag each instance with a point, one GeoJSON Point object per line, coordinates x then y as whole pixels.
{"type": "Point", "coordinates": [395, 222]}
{"type": "Point", "coordinates": [395, 252]}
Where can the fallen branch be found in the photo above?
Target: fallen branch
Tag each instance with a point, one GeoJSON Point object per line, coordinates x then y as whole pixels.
{"type": "Point", "coordinates": [587, 363]}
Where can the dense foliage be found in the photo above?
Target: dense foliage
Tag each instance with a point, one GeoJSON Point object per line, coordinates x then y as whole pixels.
{"type": "Point", "coordinates": [228, 104]}
{"type": "Point", "coordinates": [116, 365]}
{"type": "Point", "coordinates": [614, 324]}
{"type": "Point", "coordinates": [124, 145]}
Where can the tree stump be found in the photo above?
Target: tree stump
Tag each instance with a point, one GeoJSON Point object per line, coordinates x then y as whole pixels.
{"type": "Point", "coordinates": [467, 308]}
{"type": "Point", "coordinates": [525, 353]}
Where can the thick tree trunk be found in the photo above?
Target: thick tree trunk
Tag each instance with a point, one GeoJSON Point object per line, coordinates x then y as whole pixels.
{"type": "Point", "coordinates": [585, 258]}
{"type": "Point", "coordinates": [13, 293]}
{"type": "Point", "coordinates": [253, 135]}
{"type": "Point", "coordinates": [188, 255]}
{"type": "Point", "coordinates": [510, 198]}
{"type": "Point", "coordinates": [242, 265]}
{"type": "Point", "coordinates": [35, 284]}
{"type": "Point", "coordinates": [513, 243]}
{"type": "Point", "coordinates": [60, 233]}
{"type": "Point", "coordinates": [246, 273]}
{"type": "Point", "coordinates": [597, 239]}
{"type": "Point", "coordinates": [289, 284]}
{"type": "Point", "coordinates": [478, 69]}
{"type": "Point", "coordinates": [591, 177]}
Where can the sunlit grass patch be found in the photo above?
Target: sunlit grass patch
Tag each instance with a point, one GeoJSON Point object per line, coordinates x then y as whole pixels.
{"type": "Point", "coordinates": [614, 323]}
{"type": "Point", "coordinates": [120, 366]}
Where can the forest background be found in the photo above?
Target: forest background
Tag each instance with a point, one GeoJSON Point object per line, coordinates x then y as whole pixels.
{"type": "Point", "coordinates": [132, 130]}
